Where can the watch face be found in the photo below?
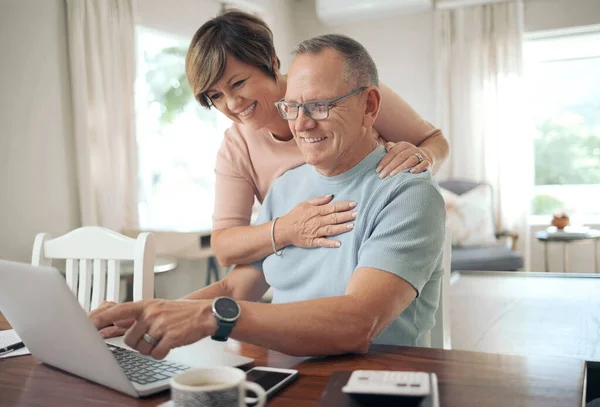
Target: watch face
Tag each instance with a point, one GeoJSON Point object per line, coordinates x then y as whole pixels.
{"type": "Point", "coordinates": [227, 308]}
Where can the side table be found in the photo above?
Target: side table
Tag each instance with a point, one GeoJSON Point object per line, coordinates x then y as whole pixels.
{"type": "Point", "coordinates": [567, 238]}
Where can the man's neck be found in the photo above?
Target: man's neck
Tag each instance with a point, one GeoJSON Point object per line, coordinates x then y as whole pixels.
{"type": "Point", "coordinates": [363, 147]}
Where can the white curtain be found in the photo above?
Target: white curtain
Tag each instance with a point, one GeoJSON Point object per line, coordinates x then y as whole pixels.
{"type": "Point", "coordinates": [101, 40]}
{"type": "Point", "coordinates": [480, 104]}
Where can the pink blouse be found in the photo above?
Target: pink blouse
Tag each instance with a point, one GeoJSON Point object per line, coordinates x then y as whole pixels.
{"type": "Point", "coordinates": [250, 160]}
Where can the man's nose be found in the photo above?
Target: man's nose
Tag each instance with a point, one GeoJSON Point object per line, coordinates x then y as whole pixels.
{"type": "Point", "coordinates": [303, 122]}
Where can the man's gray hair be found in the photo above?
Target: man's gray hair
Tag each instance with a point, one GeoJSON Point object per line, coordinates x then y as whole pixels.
{"type": "Point", "coordinates": [360, 70]}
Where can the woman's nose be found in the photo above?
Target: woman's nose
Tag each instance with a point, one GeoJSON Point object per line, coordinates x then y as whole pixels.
{"type": "Point", "coordinates": [234, 103]}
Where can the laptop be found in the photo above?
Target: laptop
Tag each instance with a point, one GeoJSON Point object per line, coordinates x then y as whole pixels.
{"type": "Point", "coordinates": [41, 308]}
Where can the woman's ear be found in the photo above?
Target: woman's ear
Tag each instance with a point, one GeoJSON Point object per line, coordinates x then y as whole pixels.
{"type": "Point", "coordinates": [275, 64]}
{"type": "Point", "coordinates": [372, 106]}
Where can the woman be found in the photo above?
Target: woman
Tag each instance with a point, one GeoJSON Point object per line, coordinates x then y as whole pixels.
{"type": "Point", "coordinates": [231, 64]}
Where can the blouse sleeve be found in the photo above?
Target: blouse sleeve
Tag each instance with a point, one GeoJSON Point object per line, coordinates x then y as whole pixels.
{"type": "Point", "coordinates": [234, 194]}
{"type": "Point", "coordinates": [397, 121]}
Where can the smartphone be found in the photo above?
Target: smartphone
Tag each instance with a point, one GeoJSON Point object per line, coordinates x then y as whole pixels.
{"type": "Point", "coordinates": [271, 379]}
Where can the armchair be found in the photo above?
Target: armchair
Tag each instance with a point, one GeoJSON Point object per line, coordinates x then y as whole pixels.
{"type": "Point", "coordinates": [489, 256]}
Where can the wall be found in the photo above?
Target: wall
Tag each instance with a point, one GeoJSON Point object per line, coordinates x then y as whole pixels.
{"type": "Point", "coordinates": [541, 15]}
{"type": "Point", "coordinates": [37, 179]}
{"type": "Point", "coordinates": [279, 15]}
{"type": "Point", "coordinates": [401, 46]}
{"type": "Point", "coordinates": [184, 17]}
{"type": "Point", "coordinates": [404, 50]}
{"type": "Point", "coordinates": [37, 171]}
{"type": "Point", "coordinates": [181, 17]}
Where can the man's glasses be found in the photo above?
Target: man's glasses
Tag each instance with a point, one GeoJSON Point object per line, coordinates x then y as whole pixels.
{"type": "Point", "coordinates": [316, 110]}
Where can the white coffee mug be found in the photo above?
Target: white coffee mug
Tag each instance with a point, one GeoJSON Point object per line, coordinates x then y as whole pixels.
{"type": "Point", "coordinates": [213, 387]}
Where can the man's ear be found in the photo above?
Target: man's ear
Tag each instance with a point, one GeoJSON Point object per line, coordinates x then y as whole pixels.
{"type": "Point", "coordinates": [372, 106]}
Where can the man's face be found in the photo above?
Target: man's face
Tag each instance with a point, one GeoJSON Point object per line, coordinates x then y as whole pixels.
{"type": "Point", "coordinates": [326, 144]}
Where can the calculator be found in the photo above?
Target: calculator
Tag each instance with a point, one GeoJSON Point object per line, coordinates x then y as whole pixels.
{"type": "Point", "coordinates": [388, 383]}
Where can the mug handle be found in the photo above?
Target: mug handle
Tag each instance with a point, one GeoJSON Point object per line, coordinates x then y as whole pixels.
{"type": "Point", "coordinates": [261, 395]}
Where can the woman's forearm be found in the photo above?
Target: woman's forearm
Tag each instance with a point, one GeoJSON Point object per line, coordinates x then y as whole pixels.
{"type": "Point", "coordinates": [436, 149]}
{"type": "Point", "coordinates": [242, 244]}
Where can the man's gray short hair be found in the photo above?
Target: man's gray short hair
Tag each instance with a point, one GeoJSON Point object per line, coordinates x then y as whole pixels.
{"type": "Point", "coordinates": [360, 70]}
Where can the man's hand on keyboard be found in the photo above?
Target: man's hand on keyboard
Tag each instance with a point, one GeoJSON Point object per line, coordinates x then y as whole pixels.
{"type": "Point", "coordinates": [154, 327]}
{"type": "Point", "coordinates": [117, 328]}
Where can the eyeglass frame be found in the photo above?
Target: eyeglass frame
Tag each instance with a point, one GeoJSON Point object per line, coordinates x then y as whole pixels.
{"type": "Point", "coordinates": [328, 103]}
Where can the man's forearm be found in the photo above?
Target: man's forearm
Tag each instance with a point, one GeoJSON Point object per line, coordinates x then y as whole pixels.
{"type": "Point", "coordinates": [324, 326]}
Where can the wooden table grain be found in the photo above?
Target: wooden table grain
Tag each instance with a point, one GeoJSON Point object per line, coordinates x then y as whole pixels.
{"type": "Point", "coordinates": [465, 378]}
{"type": "Point", "coordinates": [525, 313]}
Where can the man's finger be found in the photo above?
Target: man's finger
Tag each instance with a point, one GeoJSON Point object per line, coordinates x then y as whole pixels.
{"type": "Point", "coordinates": [112, 331]}
{"type": "Point", "coordinates": [119, 312]}
{"type": "Point", "coordinates": [161, 350]}
{"type": "Point", "coordinates": [126, 323]}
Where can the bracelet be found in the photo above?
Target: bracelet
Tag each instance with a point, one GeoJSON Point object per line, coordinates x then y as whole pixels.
{"type": "Point", "coordinates": [277, 253]}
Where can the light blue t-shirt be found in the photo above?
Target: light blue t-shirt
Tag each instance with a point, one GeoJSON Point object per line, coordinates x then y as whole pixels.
{"type": "Point", "coordinates": [399, 229]}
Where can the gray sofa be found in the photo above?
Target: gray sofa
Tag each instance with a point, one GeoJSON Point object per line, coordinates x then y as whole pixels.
{"type": "Point", "coordinates": [496, 257]}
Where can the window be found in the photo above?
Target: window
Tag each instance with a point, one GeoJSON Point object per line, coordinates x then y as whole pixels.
{"type": "Point", "coordinates": [177, 139]}
{"type": "Point", "coordinates": [562, 74]}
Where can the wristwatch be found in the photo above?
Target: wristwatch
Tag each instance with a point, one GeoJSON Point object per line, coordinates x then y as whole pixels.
{"type": "Point", "coordinates": [227, 312]}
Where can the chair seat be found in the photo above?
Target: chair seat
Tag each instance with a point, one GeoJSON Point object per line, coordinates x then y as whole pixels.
{"type": "Point", "coordinates": [496, 258]}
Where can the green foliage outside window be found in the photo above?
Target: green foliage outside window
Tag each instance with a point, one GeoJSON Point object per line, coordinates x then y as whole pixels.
{"type": "Point", "coordinates": [567, 154]}
{"type": "Point", "coordinates": [169, 87]}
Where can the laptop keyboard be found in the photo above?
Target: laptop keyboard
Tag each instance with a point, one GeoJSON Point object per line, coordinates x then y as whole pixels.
{"type": "Point", "coordinates": [142, 369]}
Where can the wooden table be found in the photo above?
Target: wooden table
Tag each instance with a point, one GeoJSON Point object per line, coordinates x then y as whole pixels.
{"type": "Point", "coordinates": [525, 313]}
{"type": "Point", "coordinates": [465, 378]}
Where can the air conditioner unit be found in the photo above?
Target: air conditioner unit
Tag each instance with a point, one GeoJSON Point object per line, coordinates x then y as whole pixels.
{"type": "Point", "coordinates": [335, 12]}
{"type": "Point", "coordinates": [446, 4]}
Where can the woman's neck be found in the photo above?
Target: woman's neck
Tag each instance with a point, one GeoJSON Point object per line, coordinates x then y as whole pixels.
{"type": "Point", "coordinates": [277, 126]}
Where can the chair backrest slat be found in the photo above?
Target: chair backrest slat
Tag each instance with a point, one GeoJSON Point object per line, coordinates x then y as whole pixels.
{"type": "Point", "coordinates": [85, 283]}
{"type": "Point", "coordinates": [72, 274]}
{"type": "Point", "coordinates": [98, 288]}
{"type": "Point", "coordinates": [93, 255]}
{"type": "Point", "coordinates": [112, 282]}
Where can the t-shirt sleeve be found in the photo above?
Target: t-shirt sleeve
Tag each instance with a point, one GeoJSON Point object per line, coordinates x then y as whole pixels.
{"type": "Point", "coordinates": [398, 121]}
{"type": "Point", "coordinates": [234, 192]}
{"type": "Point", "coordinates": [408, 234]}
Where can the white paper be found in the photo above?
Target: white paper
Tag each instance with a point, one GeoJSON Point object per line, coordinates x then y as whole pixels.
{"type": "Point", "coordinates": [10, 337]}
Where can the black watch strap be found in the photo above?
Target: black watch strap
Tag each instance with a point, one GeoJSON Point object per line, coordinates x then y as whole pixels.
{"type": "Point", "coordinates": [223, 330]}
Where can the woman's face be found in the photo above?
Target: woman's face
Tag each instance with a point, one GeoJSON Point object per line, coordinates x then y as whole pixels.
{"type": "Point", "coordinates": [246, 94]}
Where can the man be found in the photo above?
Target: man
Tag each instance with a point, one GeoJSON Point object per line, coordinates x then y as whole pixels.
{"type": "Point", "coordinates": [381, 286]}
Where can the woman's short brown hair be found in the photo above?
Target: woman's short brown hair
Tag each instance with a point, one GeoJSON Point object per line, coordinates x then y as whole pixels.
{"type": "Point", "coordinates": [246, 37]}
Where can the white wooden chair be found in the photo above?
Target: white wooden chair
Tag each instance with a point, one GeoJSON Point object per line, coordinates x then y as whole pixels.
{"type": "Point", "coordinates": [440, 333]}
{"type": "Point", "coordinates": [90, 251]}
